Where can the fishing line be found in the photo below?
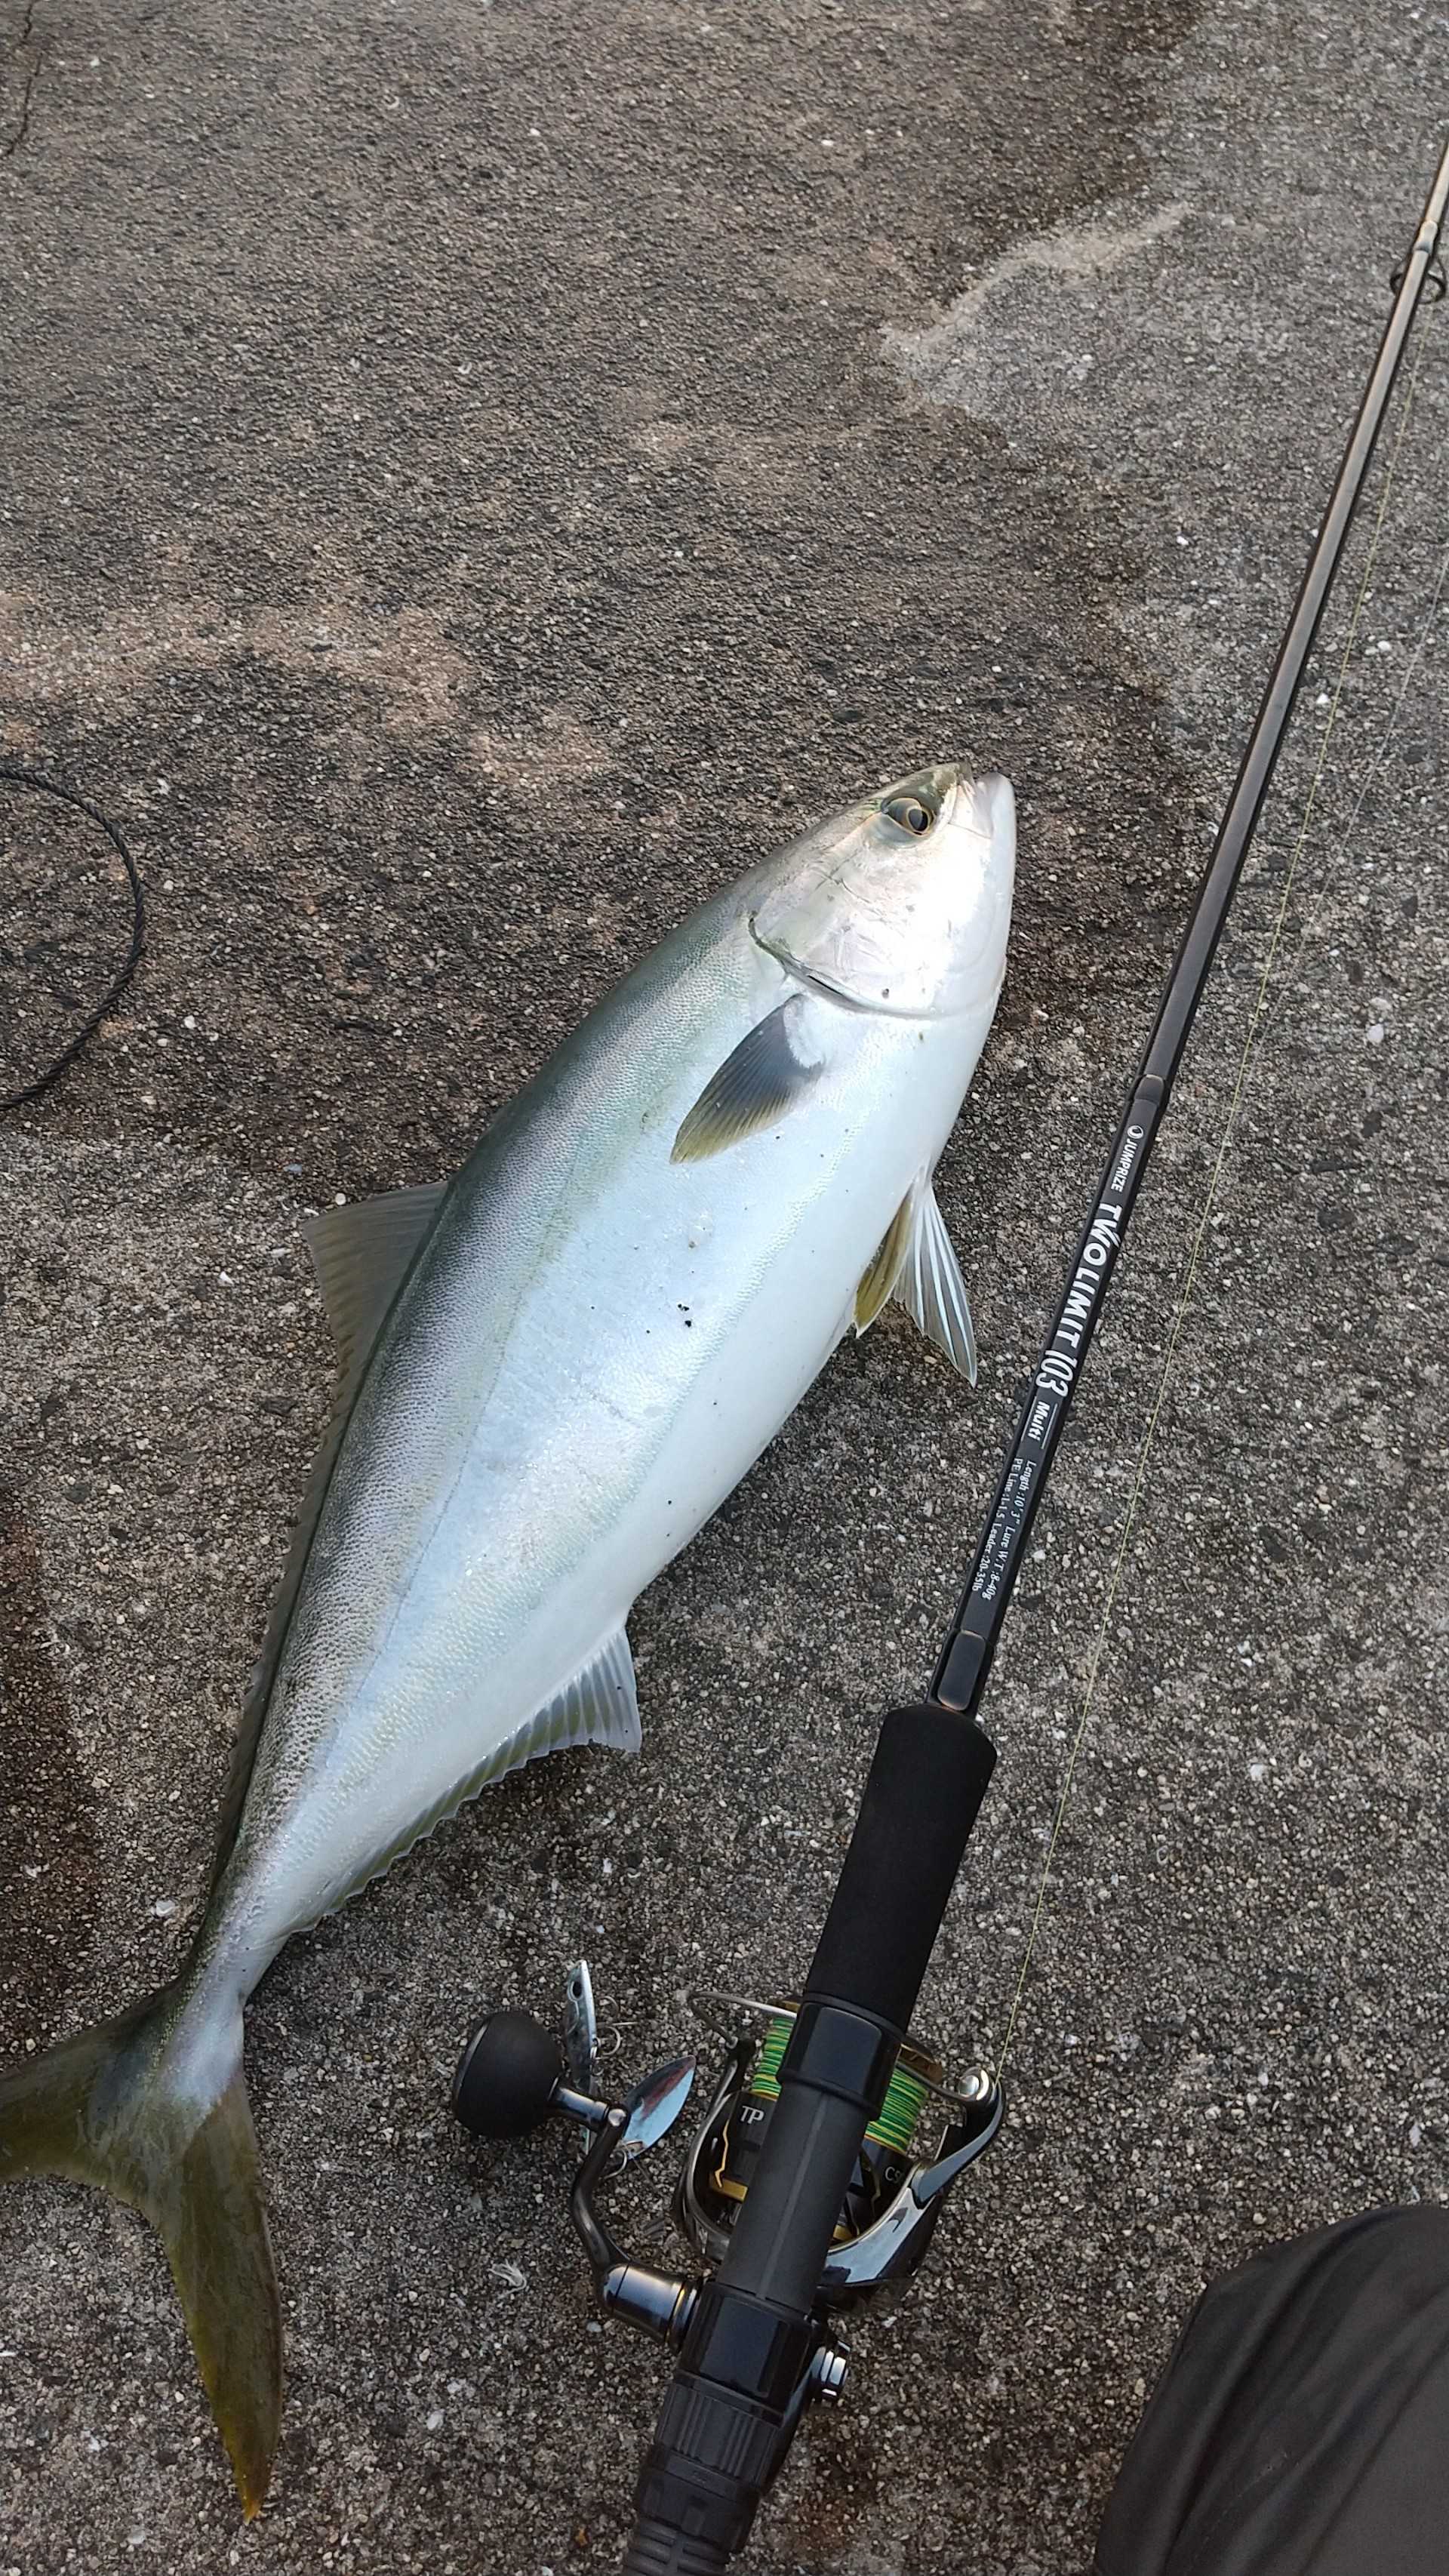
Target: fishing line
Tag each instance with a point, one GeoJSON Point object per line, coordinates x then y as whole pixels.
{"type": "Point", "coordinates": [1312, 916]}
{"type": "Point", "coordinates": [34, 781]}
{"type": "Point", "coordinates": [1255, 1021]}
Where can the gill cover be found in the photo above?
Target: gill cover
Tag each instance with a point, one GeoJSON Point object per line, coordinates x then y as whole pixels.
{"type": "Point", "coordinates": [902, 903]}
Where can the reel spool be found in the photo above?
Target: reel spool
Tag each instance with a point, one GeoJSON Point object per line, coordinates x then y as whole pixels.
{"type": "Point", "coordinates": [895, 2193]}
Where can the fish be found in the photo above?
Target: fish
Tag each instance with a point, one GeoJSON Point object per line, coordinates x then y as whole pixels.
{"type": "Point", "coordinates": [552, 1370]}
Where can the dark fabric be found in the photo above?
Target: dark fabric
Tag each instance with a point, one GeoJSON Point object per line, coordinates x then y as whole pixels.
{"type": "Point", "coordinates": [1301, 2427]}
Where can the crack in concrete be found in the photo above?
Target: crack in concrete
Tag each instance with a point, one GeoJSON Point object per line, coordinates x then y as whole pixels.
{"type": "Point", "coordinates": [23, 41]}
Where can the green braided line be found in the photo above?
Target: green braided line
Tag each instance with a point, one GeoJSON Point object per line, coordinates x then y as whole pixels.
{"type": "Point", "coordinates": [895, 2125]}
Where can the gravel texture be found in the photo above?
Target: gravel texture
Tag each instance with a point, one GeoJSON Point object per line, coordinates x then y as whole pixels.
{"type": "Point", "coordinates": [468, 476]}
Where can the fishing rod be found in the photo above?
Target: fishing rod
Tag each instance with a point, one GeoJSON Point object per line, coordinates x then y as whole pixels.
{"type": "Point", "coordinates": [803, 2188]}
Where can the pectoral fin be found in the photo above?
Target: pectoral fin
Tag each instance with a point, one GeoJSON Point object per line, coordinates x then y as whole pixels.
{"type": "Point", "coordinates": [917, 1266]}
{"type": "Point", "coordinates": [754, 1088]}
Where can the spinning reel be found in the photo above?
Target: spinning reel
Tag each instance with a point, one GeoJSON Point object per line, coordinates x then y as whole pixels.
{"type": "Point", "coordinates": [513, 2075]}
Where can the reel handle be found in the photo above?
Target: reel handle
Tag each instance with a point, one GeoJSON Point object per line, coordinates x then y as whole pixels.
{"type": "Point", "coordinates": [508, 2076]}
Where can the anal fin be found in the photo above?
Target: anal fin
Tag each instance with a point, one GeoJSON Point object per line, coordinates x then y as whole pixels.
{"type": "Point", "coordinates": [597, 1705]}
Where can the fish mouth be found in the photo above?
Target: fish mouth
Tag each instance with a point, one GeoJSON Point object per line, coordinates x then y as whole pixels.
{"type": "Point", "coordinates": [995, 803]}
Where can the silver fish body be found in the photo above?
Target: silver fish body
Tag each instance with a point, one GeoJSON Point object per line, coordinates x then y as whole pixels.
{"type": "Point", "coordinates": [560, 1368]}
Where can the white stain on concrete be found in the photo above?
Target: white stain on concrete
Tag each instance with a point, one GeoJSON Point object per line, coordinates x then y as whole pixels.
{"type": "Point", "coordinates": [959, 359]}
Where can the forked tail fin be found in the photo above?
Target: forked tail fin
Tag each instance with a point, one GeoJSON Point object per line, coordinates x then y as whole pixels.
{"type": "Point", "coordinates": [110, 2107]}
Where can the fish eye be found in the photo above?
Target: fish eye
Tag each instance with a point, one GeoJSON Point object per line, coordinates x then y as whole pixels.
{"type": "Point", "coordinates": [909, 812]}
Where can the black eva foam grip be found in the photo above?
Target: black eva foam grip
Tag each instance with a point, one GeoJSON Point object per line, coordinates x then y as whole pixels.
{"type": "Point", "coordinates": [925, 1787]}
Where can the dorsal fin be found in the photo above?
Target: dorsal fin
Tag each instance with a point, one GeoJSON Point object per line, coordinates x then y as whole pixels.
{"type": "Point", "coordinates": [361, 1255]}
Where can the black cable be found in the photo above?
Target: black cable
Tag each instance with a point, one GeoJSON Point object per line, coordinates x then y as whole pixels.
{"type": "Point", "coordinates": [39, 785]}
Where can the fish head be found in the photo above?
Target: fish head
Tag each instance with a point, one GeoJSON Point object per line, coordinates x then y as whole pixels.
{"type": "Point", "coordinates": [902, 903]}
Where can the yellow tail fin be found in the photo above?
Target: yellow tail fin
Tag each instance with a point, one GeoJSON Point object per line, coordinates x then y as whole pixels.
{"type": "Point", "coordinates": [111, 2108]}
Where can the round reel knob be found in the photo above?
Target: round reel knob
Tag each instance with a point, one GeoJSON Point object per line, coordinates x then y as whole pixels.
{"type": "Point", "coordinates": [507, 2076]}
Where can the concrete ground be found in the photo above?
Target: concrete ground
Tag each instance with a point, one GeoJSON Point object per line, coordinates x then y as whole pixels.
{"type": "Point", "coordinates": [471, 476]}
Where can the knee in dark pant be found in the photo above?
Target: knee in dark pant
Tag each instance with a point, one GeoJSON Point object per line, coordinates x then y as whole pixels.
{"type": "Point", "coordinates": [1422, 2229]}
{"type": "Point", "coordinates": [1411, 2242]}
{"type": "Point", "coordinates": [1300, 2421]}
